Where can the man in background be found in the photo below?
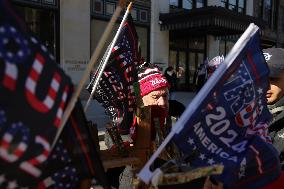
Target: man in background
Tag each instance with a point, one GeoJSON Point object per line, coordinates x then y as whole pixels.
{"type": "Point", "coordinates": [275, 100]}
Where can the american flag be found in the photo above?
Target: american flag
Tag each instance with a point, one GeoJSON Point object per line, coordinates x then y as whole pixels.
{"type": "Point", "coordinates": [115, 90]}
{"type": "Point", "coordinates": [34, 93]}
{"type": "Point", "coordinates": [75, 156]}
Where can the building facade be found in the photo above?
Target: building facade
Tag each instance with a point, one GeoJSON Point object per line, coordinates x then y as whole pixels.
{"type": "Point", "coordinates": [178, 33]}
{"type": "Point", "coordinates": [196, 30]}
{"type": "Point", "coordinates": [71, 29]}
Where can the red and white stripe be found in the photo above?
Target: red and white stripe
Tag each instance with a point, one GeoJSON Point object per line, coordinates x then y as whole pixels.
{"type": "Point", "coordinates": [30, 165]}
{"type": "Point", "coordinates": [5, 145]}
{"type": "Point", "coordinates": [123, 64]}
{"type": "Point", "coordinates": [46, 183]}
{"type": "Point", "coordinates": [240, 117]}
{"type": "Point", "coordinates": [60, 110]}
{"type": "Point", "coordinates": [126, 72]}
{"type": "Point", "coordinates": [31, 84]}
{"type": "Point", "coordinates": [10, 76]}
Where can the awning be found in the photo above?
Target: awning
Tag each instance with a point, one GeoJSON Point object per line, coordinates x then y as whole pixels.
{"type": "Point", "coordinates": [208, 20]}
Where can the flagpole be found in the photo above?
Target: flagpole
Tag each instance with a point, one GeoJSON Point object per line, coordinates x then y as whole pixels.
{"type": "Point", "coordinates": [108, 55]}
{"type": "Point", "coordinates": [90, 65]}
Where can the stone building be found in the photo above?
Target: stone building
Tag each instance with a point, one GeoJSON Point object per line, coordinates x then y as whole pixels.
{"type": "Point", "coordinates": [171, 32]}
{"type": "Point", "coordinates": [190, 31]}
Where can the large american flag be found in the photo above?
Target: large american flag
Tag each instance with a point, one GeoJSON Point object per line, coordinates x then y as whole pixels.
{"type": "Point", "coordinates": [34, 93]}
{"type": "Point", "coordinates": [115, 90]}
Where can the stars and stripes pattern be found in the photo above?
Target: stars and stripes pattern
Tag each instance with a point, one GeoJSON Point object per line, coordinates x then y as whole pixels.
{"type": "Point", "coordinates": [115, 90]}
{"type": "Point", "coordinates": [230, 125]}
{"type": "Point", "coordinates": [34, 93]}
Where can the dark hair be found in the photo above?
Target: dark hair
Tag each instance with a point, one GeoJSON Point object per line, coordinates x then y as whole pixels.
{"type": "Point", "coordinates": [170, 68]}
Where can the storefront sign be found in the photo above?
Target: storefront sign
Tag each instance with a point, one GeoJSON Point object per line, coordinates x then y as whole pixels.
{"type": "Point", "coordinates": [75, 65]}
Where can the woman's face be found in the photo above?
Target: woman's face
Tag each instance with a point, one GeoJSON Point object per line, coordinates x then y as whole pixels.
{"type": "Point", "coordinates": [276, 90]}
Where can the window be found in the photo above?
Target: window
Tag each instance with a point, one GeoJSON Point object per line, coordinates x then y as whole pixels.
{"type": "Point", "coordinates": [143, 15]}
{"type": "Point", "coordinates": [235, 5]}
{"type": "Point", "coordinates": [267, 11]}
{"type": "Point", "coordinates": [225, 46]}
{"type": "Point", "coordinates": [188, 4]}
{"type": "Point", "coordinates": [232, 4]}
{"type": "Point", "coordinates": [241, 7]}
{"type": "Point", "coordinates": [134, 14]}
{"type": "Point", "coordinates": [110, 7]}
{"type": "Point", "coordinates": [224, 3]}
{"type": "Point", "coordinates": [174, 2]}
{"type": "Point", "coordinates": [50, 2]}
{"type": "Point", "coordinates": [98, 6]}
{"type": "Point", "coordinates": [42, 23]}
{"type": "Point", "coordinates": [267, 6]}
{"type": "Point", "coordinates": [200, 3]}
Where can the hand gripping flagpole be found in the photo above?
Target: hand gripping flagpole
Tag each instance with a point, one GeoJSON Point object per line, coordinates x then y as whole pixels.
{"type": "Point", "coordinates": [146, 175]}
{"type": "Point", "coordinates": [93, 60]}
{"type": "Point", "coordinates": [100, 72]}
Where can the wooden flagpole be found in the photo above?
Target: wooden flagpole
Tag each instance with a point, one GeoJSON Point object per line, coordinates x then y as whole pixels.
{"type": "Point", "coordinates": [91, 64]}
{"type": "Point", "coordinates": [108, 55]}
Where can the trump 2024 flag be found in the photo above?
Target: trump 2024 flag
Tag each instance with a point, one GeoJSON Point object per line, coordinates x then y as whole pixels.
{"type": "Point", "coordinates": [226, 123]}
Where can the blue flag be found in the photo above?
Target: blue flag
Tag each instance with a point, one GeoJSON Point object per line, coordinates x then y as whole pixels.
{"type": "Point", "coordinates": [229, 126]}
{"type": "Point", "coordinates": [226, 123]}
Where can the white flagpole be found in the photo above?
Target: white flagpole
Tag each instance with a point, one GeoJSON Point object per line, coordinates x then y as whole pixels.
{"type": "Point", "coordinates": [146, 174]}
{"type": "Point", "coordinates": [108, 55]}
{"type": "Point", "coordinates": [93, 60]}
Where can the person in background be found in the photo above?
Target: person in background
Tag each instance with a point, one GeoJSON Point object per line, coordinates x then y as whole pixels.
{"type": "Point", "coordinates": [206, 69]}
{"type": "Point", "coordinates": [275, 100]}
{"type": "Point", "coordinates": [213, 65]}
{"type": "Point", "coordinates": [200, 75]}
{"type": "Point", "coordinates": [171, 77]}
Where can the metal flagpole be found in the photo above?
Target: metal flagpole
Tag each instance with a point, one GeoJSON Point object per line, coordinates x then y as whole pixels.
{"type": "Point", "coordinates": [93, 60]}
{"type": "Point", "coordinates": [108, 55]}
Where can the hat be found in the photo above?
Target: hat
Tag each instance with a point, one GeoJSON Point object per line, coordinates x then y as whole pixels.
{"type": "Point", "coordinates": [275, 61]}
{"type": "Point", "coordinates": [150, 79]}
{"type": "Point", "coordinates": [213, 64]}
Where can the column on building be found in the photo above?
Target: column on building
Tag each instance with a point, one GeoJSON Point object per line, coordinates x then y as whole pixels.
{"type": "Point", "coordinates": [249, 8]}
{"type": "Point", "coordinates": [212, 47]}
{"type": "Point", "coordinates": [159, 40]}
{"type": "Point", "coordinates": [212, 43]}
{"type": "Point", "coordinates": [74, 37]}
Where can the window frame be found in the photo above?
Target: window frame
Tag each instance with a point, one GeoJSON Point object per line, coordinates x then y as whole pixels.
{"type": "Point", "coordinates": [194, 3]}
{"type": "Point", "coordinates": [226, 4]}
